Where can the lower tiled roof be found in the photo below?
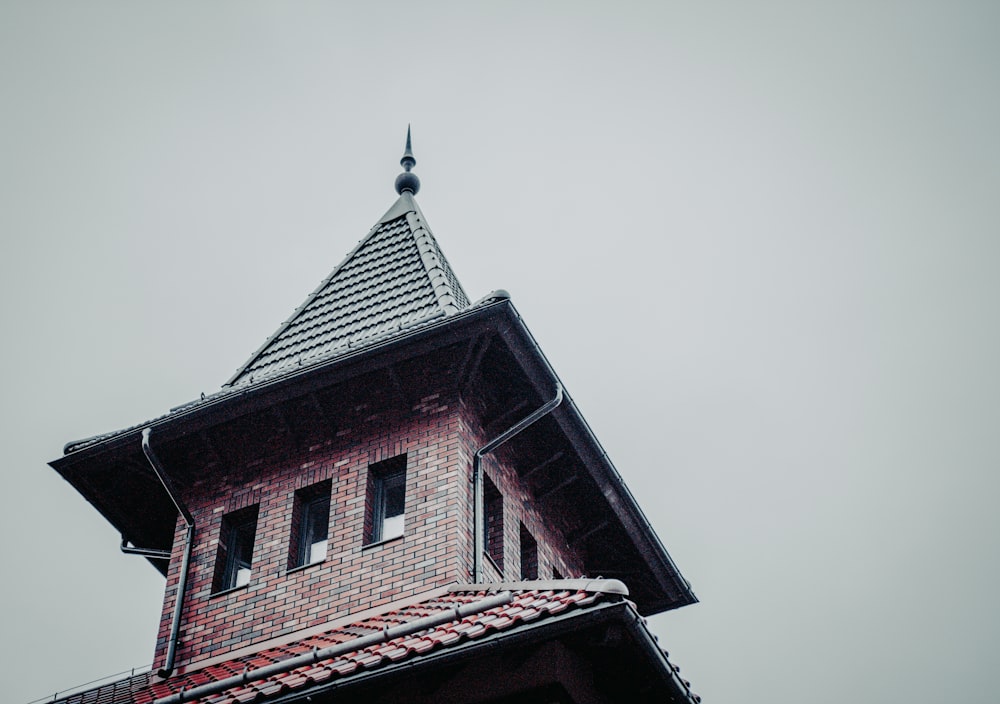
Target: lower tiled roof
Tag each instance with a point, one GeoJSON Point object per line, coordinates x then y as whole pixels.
{"type": "Point", "coordinates": [347, 650]}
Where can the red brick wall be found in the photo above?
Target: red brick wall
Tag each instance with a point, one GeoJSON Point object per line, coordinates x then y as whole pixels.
{"type": "Point", "coordinates": [353, 577]}
{"type": "Point", "coordinates": [439, 435]}
{"type": "Point", "coordinates": [518, 507]}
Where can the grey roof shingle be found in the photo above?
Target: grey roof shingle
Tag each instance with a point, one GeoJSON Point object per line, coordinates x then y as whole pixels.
{"type": "Point", "coordinates": [396, 277]}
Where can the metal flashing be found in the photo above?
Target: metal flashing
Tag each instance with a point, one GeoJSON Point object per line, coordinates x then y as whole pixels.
{"type": "Point", "coordinates": [403, 205]}
{"type": "Point", "coordinates": [593, 586]}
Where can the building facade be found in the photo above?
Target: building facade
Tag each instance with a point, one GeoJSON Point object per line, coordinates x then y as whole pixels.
{"type": "Point", "coordinates": [394, 499]}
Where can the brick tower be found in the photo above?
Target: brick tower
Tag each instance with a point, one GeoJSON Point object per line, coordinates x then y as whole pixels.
{"type": "Point", "coordinates": [393, 499]}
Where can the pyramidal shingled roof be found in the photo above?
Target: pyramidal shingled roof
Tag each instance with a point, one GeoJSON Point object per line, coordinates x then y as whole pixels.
{"type": "Point", "coordinates": [395, 279]}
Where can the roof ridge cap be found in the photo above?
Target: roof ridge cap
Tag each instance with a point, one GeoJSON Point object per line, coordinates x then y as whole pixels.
{"type": "Point", "coordinates": [596, 585]}
{"type": "Point", "coordinates": [403, 205]}
{"type": "Point", "coordinates": [295, 636]}
{"type": "Point", "coordinates": [437, 271]}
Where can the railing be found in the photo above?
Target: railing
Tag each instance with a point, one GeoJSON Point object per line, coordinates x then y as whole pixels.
{"type": "Point", "coordinates": [93, 684]}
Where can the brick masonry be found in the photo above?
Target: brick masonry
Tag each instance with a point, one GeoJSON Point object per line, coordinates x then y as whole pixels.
{"type": "Point", "coordinates": [439, 433]}
{"type": "Point", "coordinates": [554, 555]}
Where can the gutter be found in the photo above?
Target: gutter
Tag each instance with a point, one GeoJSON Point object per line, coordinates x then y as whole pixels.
{"type": "Point", "coordinates": [151, 553]}
{"type": "Point", "coordinates": [78, 450]}
{"type": "Point", "coordinates": [175, 623]}
{"type": "Point", "coordinates": [616, 484]}
{"type": "Point", "coordinates": [477, 476]}
{"type": "Point", "coordinates": [615, 612]}
{"type": "Point", "coordinates": [386, 634]}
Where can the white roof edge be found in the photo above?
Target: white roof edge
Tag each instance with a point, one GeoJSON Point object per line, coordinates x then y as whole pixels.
{"type": "Point", "coordinates": [596, 585]}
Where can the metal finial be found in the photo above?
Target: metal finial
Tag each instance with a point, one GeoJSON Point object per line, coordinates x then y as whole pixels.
{"type": "Point", "coordinates": [407, 181]}
{"type": "Point", "coordinates": [408, 162]}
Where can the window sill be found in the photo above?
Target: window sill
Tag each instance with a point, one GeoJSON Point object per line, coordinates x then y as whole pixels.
{"type": "Point", "coordinates": [224, 592]}
{"type": "Point", "coordinates": [305, 566]}
{"type": "Point", "coordinates": [382, 542]}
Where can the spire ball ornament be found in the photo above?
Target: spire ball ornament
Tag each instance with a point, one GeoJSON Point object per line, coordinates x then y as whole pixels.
{"type": "Point", "coordinates": [407, 181]}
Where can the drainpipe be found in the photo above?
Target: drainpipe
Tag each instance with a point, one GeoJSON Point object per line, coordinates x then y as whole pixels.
{"type": "Point", "coordinates": [175, 624]}
{"type": "Point", "coordinates": [477, 477]}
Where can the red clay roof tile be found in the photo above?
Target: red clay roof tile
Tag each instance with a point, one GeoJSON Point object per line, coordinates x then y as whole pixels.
{"type": "Point", "coordinates": [524, 606]}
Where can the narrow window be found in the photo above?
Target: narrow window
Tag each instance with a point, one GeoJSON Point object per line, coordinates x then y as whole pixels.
{"type": "Point", "coordinates": [386, 500]}
{"type": "Point", "coordinates": [529, 555]}
{"type": "Point", "coordinates": [310, 525]}
{"type": "Point", "coordinates": [235, 556]}
{"type": "Point", "coordinates": [493, 517]}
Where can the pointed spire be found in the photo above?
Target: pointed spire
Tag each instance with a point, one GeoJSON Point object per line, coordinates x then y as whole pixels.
{"type": "Point", "coordinates": [408, 154]}
{"type": "Point", "coordinates": [407, 181]}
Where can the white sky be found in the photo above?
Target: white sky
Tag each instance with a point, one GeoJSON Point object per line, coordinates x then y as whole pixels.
{"type": "Point", "coordinates": [758, 242]}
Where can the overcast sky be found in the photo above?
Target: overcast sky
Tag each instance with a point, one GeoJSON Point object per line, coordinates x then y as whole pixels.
{"type": "Point", "coordinates": [758, 241]}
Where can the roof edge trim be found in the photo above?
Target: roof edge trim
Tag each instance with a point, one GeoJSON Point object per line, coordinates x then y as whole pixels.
{"type": "Point", "coordinates": [403, 205]}
{"type": "Point", "coordinates": [435, 264]}
{"type": "Point", "coordinates": [97, 443]}
{"type": "Point", "coordinates": [555, 626]}
{"type": "Point", "coordinates": [304, 633]}
{"type": "Point", "coordinates": [591, 586]}
{"type": "Point", "coordinates": [612, 479]}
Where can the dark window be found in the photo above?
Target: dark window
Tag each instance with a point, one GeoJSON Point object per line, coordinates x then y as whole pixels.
{"type": "Point", "coordinates": [385, 503]}
{"type": "Point", "coordinates": [493, 517]}
{"type": "Point", "coordinates": [529, 555]}
{"type": "Point", "coordinates": [235, 556]}
{"type": "Point", "coordinates": [310, 525]}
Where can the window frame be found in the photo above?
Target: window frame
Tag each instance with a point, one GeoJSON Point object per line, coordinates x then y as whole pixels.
{"type": "Point", "coordinates": [493, 523]}
{"type": "Point", "coordinates": [529, 555]}
{"type": "Point", "coordinates": [237, 540]}
{"type": "Point", "coordinates": [384, 479]}
{"type": "Point", "coordinates": [310, 519]}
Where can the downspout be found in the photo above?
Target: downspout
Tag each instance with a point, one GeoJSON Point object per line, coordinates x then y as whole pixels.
{"type": "Point", "coordinates": [175, 624]}
{"type": "Point", "coordinates": [477, 477]}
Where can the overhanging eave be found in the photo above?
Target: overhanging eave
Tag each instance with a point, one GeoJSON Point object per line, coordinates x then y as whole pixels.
{"type": "Point", "coordinates": [676, 590]}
